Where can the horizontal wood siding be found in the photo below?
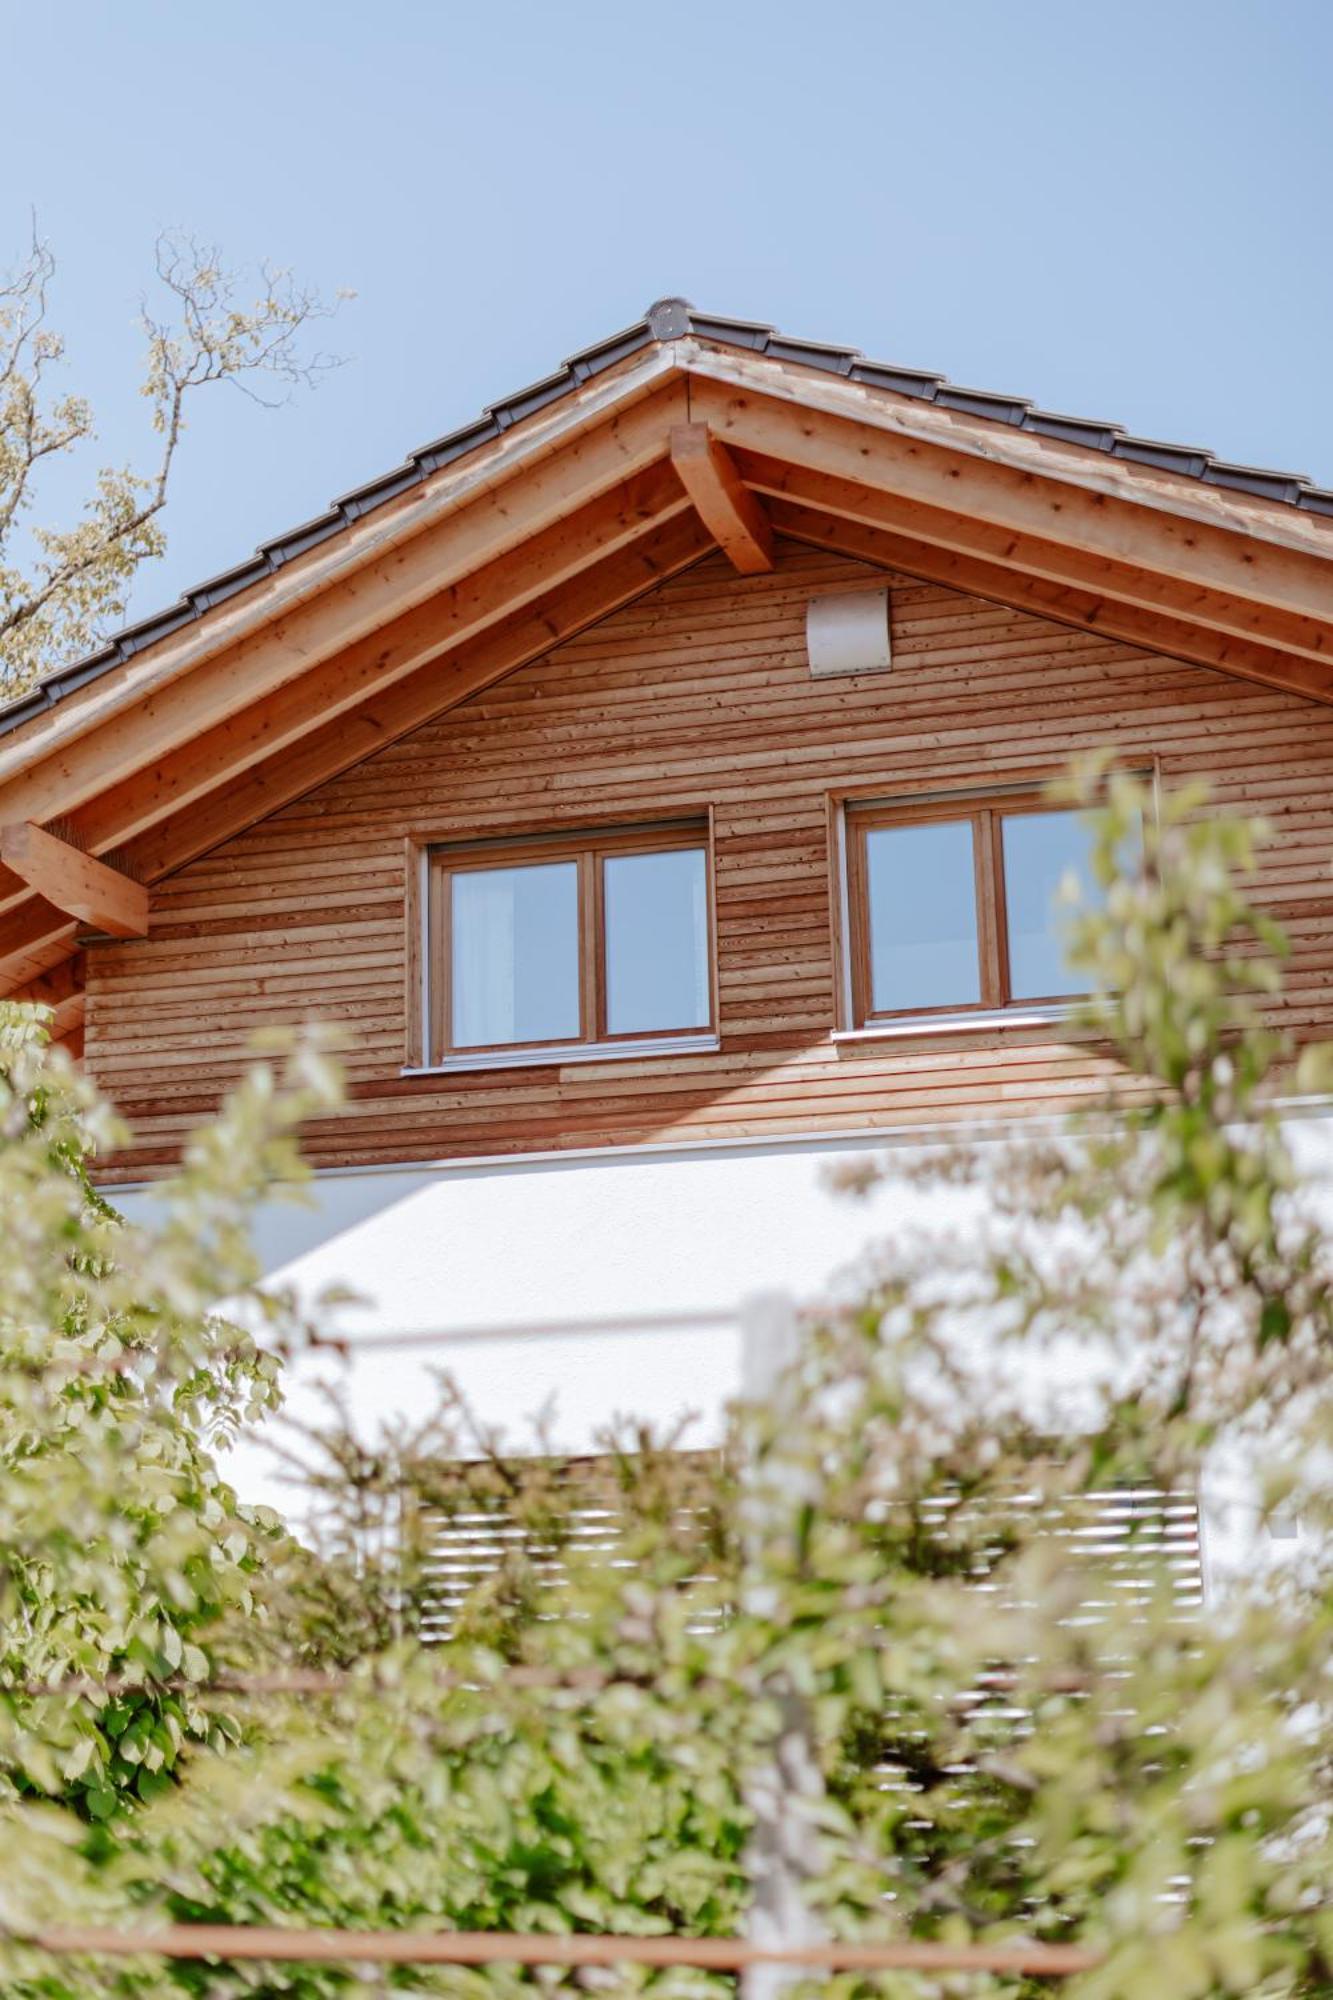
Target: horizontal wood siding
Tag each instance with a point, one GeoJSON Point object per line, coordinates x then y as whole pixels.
{"type": "Point", "coordinates": [697, 696]}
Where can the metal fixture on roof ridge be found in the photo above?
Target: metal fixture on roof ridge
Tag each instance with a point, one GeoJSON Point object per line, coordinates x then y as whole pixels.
{"type": "Point", "coordinates": [666, 319]}
{"type": "Point", "coordinates": [847, 632]}
{"type": "Point", "coordinates": [669, 319]}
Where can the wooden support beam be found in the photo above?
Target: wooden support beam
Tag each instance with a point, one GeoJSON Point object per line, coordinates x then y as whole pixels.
{"type": "Point", "coordinates": [363, 671]}
{"type": "Point", "coordinates": [34, 935]}
{"type": "Point", "coordinates": [64, 757]}
{"type": "Point", "coordinates": [74, 882]}
{"type": "Point", "coordinates": [725, 505]}
{"type": "Point", "coordinates": [1084, 610]}
{"type": "Point", "coordinates": [1161, 562]}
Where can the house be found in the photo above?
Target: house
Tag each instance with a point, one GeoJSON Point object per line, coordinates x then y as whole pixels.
{"type": "Point", "coordinates": [649, 775]}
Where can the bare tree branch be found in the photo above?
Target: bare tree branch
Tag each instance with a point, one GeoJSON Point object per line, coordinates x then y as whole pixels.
{"type": "Point", "coordinates": [77, 579]}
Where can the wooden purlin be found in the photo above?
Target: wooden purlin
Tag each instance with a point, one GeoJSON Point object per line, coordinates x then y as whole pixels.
{"type": "Point", "coordinates": [725, 505]}
{"type": "Point", "coordinates": [33, 927]}
{"type": "Point", "coordinates": [1279, 596]}
{"type": "Point", "coordinates": [74, 882]}
{"type": "Point", "coordinates": [1085, 610]}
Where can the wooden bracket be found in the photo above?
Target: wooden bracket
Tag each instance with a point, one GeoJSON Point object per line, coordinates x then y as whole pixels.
{"type": "Point", "coordinates": [74, 882]}
{"type": "Point", "coordinates": [724, 503]}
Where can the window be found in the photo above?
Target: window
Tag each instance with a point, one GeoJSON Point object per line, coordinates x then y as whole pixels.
{"type": "Point", "coordinates": [555, 946]}
{"type": "Point", "coordinates": [952, 905]}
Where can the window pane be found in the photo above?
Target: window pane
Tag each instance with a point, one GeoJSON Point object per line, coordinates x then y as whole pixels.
{"type": "Point", "coordinates": [1040, 850]}
{"type": "Point", "coordinates": [515, 941]}
{"type": "Point", "coordinates": [921, 890]}
{"type": "Point", "coordinates": [656, 941]}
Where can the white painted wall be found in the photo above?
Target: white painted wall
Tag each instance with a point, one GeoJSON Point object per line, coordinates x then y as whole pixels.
{"type": "Point", "coordinates": [514, 1245]}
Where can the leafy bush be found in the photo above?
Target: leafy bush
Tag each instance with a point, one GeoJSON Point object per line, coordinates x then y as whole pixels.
{"type": "Point", "coordinates": [889, 1589]}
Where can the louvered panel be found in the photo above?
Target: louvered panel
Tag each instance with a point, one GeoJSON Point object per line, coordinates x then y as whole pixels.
{"type": "Point", "coordinates": [1133, 1535]}
{"type": "Point", "coordinates": [465, 1550]}
{"type": "Point", "coordinates": [1137, 1536]}
{"type": "Point", "coordinates": [461, 1549]}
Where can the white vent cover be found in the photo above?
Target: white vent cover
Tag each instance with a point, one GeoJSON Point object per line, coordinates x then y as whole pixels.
{"type": "Point", "coordinates": [848, 633]}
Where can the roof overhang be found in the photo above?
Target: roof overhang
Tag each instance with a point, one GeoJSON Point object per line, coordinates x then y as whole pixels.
{"type": "Point", "coordinates": [675, 443]}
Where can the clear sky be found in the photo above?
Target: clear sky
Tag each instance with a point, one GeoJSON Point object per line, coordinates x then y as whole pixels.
{"type": "Point", "coordinates": [1120, 208]}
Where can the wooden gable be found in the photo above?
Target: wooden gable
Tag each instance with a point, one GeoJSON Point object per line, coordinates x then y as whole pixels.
{"type": "Point", "coordinates": [681, 438]}
{"type": "Point", "coordinates": [697, 697]}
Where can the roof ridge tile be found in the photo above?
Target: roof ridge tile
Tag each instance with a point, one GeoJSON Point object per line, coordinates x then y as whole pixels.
{"type": "Point", "coordinates": [665, 320]}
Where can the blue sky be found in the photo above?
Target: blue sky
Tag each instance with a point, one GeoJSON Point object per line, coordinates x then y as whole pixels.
{"type": "Point", "coordinates": [1120, 209]}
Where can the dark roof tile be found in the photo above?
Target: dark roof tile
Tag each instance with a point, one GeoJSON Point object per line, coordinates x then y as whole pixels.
{"type": "Point", "coordinates": [665, 320]}
{"type": "Point", "coordinates": [904, 381]}
{"type": "Point", "coordinates": [983, 403]}
{"type": "Point", "coordinates": [1287, 486]}
{"type": "Point", "coordinates": [1073, 430]}
{"type": "Point", "coordinates": [1167, 457]}
{"type": "Point", "coordinates": [811, 354]}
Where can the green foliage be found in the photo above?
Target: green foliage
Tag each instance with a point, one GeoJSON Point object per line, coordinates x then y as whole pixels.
{"type": "Point", "coordinates": [1012, 1734]}
{"type": "Point", "coordinates": [127, 1561]}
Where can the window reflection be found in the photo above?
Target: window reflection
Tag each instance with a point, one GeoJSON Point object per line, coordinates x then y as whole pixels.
{"type": "Point", "coordinates": [921, 891]}
{"type": "Point", "coordinates": [515, 955]}
{"type": "Point", "coordinates": [1041, 851]}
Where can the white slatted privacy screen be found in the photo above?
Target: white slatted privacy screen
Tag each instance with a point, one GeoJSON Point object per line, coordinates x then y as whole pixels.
{"type": "Point", "coordinates": [1131, 1534]}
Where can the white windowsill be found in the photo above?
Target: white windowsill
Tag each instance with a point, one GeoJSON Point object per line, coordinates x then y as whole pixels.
{"type": "Point", "coordinates": [570, 1052]}
{"type": "Point", "coordinates": [913, 1027]}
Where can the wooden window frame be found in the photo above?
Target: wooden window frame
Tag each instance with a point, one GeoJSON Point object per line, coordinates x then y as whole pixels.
{"type": "Point", "coordinates": [430, 1045]}
{"type": "Point", "coordinates": [986, 813]}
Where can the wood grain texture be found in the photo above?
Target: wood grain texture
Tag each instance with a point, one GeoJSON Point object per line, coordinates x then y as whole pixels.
{"type": "Point", "coordinates": [726, 507]}
{"type": "Point", "coordinates": [696, 698]}
{"type": "Point", "coordinates": [74, 882]}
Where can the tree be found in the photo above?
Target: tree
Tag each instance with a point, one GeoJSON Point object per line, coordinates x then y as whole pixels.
{"type": "Point", "coordinates": [126, 1558]}
{"type": "Point", "coordinates": [890, 1558]}
{"type": "Point", "coordinates": [61, 587]}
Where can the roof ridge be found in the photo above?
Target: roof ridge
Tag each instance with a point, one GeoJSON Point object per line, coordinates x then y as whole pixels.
{"type": "Point", "coordinates": [665, 320]}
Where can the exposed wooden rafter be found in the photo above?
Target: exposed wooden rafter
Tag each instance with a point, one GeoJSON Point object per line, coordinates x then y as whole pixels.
{"type": "Point", "coordinates": [365, 670]}
{"type": "Point", "coordinates": [33, 933]}
{"type": "Point", "coordinates": [74, 882]}
{"type": "Point", "coordinates": [336, 746]}
{"type": "Point", "coordinates": [548, 529]}
{"type": "Point", "coordinates": [65, 758]}
{"type": "Point", "coordinates": [1249, 590]}
{"type": "Point", "coordinates": [725, 505]}
{"type": "Point", "coordinates": [1086, 611]}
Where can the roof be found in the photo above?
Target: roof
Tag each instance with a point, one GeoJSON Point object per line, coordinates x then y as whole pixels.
{"type": "Point", "coordinates": [666, 320]}
{"type": "Point", "coordinates": [681, 437]}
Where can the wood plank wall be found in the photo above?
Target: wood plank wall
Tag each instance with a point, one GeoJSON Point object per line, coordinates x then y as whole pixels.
{"type": "Point", "coordinates": [697, 695]}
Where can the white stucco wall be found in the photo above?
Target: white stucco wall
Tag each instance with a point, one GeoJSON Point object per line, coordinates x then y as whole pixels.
{"type": "Point", "coordinates": [515, 1245]}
